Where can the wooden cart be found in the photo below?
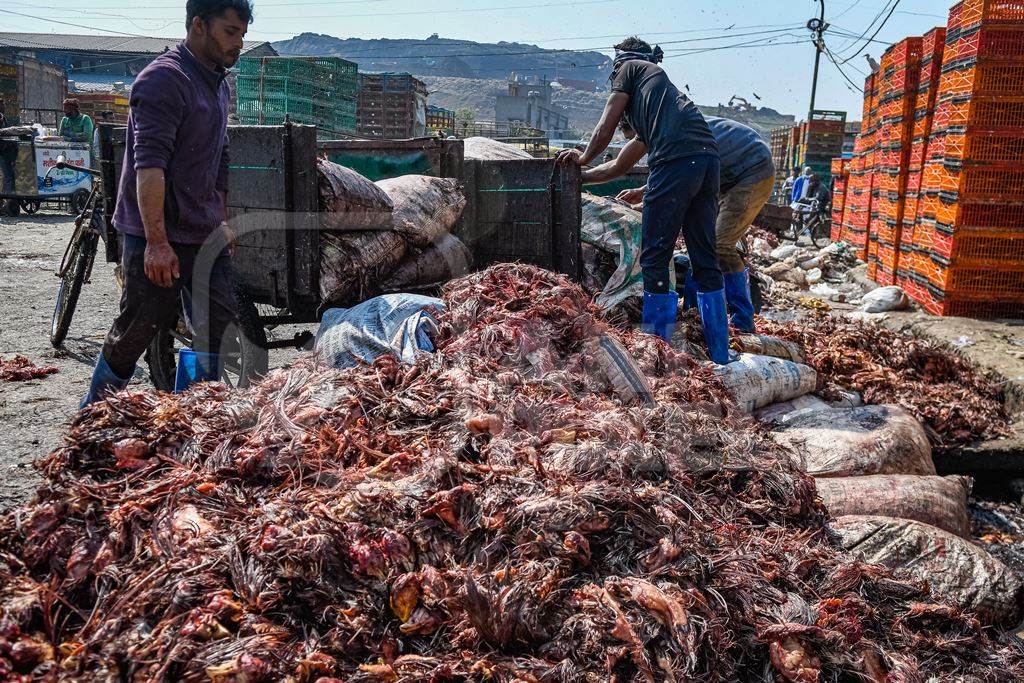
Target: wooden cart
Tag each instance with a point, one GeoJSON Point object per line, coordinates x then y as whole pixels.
{"type": "Point", "coordinates": [522, 210]}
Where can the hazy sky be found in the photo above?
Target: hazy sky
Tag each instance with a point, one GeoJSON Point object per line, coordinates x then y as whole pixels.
{"type": "Point", "coordinates": [779, 73]}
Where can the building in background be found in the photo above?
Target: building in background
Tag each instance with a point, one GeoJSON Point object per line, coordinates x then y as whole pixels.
{"type": "Point", "coordinates": [101, 65]}
{"type": "Point", "coordinates": [391, 106]}
{"type": "Point", "coordinates": [440, 120]}
{"type": "Point", "coordinates": [528, 101]}
{"type": "Point", "coordinates": [32, 91]}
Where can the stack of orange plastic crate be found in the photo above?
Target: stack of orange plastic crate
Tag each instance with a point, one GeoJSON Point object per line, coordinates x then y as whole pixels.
{"type": "Point", "coordinates": [969, 237]}
{"type": "Point", "coordinates": [841, 179]}
{"type": "Point", "coordinates": [900, 71]}
{"type": "Point", "coordinates": [932, 48]}
{"type": "Point", "coordinates": [857, 206]}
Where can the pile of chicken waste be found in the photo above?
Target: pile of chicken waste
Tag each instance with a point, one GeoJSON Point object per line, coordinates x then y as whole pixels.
{"type": "Point", "coordinates": [20, 369]}
{"type": "Point", "coordinates": [942, 389]}
{"type": "Point", "coordinates": [491, 513]}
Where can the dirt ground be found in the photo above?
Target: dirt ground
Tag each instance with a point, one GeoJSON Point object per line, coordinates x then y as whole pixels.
{"type": "Point", "coordinates": [33, 414]}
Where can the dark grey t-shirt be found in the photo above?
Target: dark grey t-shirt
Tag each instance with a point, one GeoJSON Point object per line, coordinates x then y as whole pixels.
{"type": "Point", "coordinates": [746, 158]}
{"type": "Point", "coordinates": [664, 119]}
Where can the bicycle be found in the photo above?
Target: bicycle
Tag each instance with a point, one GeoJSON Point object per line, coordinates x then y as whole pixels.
{"type": "Point", "coordinates": [813, 222]}
{"type": "Point", "coordinates": [79, 255]}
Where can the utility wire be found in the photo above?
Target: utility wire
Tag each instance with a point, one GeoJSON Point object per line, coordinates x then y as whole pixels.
{"type": "Point", "coordinates": [868, 28]}
{"type": "Point", "coordinates": [895, 4]}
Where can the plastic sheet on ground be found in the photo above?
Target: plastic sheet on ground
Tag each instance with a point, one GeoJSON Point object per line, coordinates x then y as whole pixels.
{"type": "Point", "coordinates": [400, 324]}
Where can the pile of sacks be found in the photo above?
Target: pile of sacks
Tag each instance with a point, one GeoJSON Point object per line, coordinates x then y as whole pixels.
{"type": "Point", "coordinates": [873, 468]}
{"type": "Point", "coordinates": [388, 236]}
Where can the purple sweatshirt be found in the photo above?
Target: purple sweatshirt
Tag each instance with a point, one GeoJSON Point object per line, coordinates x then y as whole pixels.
{"type": "Point", "coordinates": [178, 122]}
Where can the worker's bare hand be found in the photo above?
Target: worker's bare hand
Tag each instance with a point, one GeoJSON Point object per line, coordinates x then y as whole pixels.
{"type": "Point", "coordinates": [569, 157]}
{"type": "Point", "coordinates": [229, 237]}
{"type": "Point", "coordinates": [634, 196]}
{"type": "Point", "coordinates": [161, 264]}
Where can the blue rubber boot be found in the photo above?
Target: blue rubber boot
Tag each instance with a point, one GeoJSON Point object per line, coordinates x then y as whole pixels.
{"type": "Point", "coordinates": [737, 295]}
{"type": "Point", "coordinates": [104, 381]}
{"type": "Point", "coordinates": [689, 293]}
{"type": "Point", "coordinates": [659, 315]}
{"type": "Point", "coordinates": [716, 324]}
{"type": "Point", "coordinates": [195, 366]}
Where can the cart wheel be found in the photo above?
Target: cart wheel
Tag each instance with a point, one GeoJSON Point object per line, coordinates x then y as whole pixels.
{"type": "Point", "coordinates": [244, 357]}
{"type": "Point", "coordinates": [78, 200]}
{"type": "Point", "coordinates": [30, 206]}
{"type": "Point", "coordinates": [12, 208]}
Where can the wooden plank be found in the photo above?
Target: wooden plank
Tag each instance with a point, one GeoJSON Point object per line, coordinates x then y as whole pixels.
{"type": "Point", "coordinates": [304, 222]}
{"type": "Point", "coordinates": [567, 223]}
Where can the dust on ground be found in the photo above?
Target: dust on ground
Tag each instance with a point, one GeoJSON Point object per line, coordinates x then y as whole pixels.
{"type": "Point", "coordinates": [34, 414]}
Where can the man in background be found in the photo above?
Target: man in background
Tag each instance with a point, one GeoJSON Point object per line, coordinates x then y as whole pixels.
{"type": "Point", "coordinates": [172, 198]}
{"type": "Point", "coordinates": [75, 126]}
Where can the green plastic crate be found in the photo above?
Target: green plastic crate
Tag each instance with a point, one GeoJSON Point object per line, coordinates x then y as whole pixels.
{"type": "Point", "coordinates": [255, 87]}
{"type": "Point", "coordinates": [290, 67]}
{"type": "Point", "coordinates": [270, 105]}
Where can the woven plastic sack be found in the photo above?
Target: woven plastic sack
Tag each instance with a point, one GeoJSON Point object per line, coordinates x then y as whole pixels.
{"type": "Point", "coordinates": [448, 259]}
{"type": "Point", "coordinates": [399, 324]}
{"type": "Point", "coordinates": [348, 201]}
{"type": "Point", "coordinates": [425, 208]}
{"type": "Point", "coordinates": [957, 571]}
{"type": "Point", "coordinates": [939, 501]}
{"type": "Point", "coordinates": [857, 441]}
{"type": "Point", "coordinates": [758, 381]}
{"type": "Point", "coordinates": [486, 149]}
{"type": "Point", "coordinates": [616, 228]}
{"type": "Point", "coordinates": [765, 345]}
{"type": "Point", "coordinates": [353, 263]}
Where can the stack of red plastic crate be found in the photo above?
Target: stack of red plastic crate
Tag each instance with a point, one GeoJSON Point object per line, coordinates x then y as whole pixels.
{"type": "Point", "coordinates": [857, 206]}
{"type": "Point", "coordinates": [969, 239]}
{"type": "Point", "coordinates": [897, 97]}
{"type": "Point", "coordinates": [932, 47]}
{"type": "Point", "coordinates": [840, 179]}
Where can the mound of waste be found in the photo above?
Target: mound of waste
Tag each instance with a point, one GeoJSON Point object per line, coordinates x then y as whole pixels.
{"type": "Point", "coordinates": [938, 386]}
{"type": "Point", "coordinates": [493, 512]}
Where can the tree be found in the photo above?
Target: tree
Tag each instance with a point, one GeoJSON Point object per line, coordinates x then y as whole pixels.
{"type": "Point", "coordinates": [465, 115]}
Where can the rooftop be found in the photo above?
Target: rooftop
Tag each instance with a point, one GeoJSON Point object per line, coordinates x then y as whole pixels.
{"type": "Point", "coordinates": [71, 42]}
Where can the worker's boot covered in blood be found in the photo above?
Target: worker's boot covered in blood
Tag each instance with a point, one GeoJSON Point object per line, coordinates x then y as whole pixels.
{"type": "Point", "coordinates": [716, 324]}
{"type": "Point", "coordinates": [104, 381]}
{"type": "Point", "coordinates": [737, 296]}
{"type": "Point", "coordinates": [659, 314]}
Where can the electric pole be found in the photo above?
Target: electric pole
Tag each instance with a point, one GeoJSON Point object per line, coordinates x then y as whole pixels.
{"type": "Point", "coordinates": [817, 27]}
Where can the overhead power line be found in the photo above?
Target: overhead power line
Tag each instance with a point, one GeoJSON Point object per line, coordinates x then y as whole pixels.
{"type": "Point", "coordinates": [895, 4]}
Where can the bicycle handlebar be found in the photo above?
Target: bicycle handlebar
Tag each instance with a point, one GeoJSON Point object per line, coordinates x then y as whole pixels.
{"type": "Point", "coordinates": [60, 166]}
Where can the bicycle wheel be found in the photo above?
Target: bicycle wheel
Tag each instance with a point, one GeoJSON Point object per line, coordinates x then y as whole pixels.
{"type": "Point", "coordinates": [821, 232]}
{"type": "Point", "coordinates": [244, 356]}
{"type": "Point", "coordinates": [75, 271]}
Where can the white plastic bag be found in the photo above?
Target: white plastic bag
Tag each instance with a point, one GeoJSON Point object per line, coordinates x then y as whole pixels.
{"type": "Point", "coordinates": [785, 411]}
{"type": "Point", "coordinates": [757, 381]}
{"type": "Point", "coordinates": [884, 299]}
{"type": "Point", "coordinates": [857, 441]}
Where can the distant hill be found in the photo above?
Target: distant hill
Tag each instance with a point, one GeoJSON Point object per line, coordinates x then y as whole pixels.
{"type": "Point", "coordinates": [436, 56]}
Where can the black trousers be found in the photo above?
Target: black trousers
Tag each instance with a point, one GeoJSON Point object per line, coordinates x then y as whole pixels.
{"type": "Point", "coordinates": [204, 291]}
{"type": "Point", "coordinates": [682, 195]}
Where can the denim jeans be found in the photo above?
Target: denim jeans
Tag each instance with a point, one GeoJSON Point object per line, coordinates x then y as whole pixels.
{"type": "Point", "coordinates": [682, 195]}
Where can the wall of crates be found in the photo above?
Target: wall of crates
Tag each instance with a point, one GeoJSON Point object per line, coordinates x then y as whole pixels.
{"type": "Point", "coordinates": [319, 91]}
{"type": "Point", "coordinates": [934, 199]}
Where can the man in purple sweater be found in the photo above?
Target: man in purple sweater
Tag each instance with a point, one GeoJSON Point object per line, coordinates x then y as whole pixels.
{"type": "Point", "coordinates": [172, 200]}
